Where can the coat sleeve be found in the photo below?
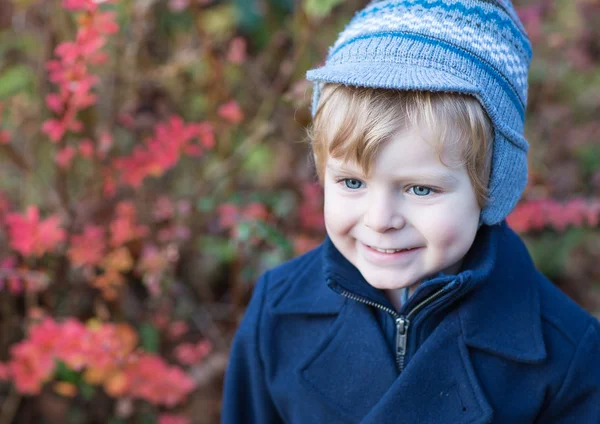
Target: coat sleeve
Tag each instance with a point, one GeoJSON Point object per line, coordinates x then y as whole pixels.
{"type": "Point", "coordinates": [578, 400]}
{"type": "Point", "coordinates": [246, 397]}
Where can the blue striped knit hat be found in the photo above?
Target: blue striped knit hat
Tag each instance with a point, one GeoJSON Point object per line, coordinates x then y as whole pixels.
{"type": "Point", "coordinates": [478, 47]}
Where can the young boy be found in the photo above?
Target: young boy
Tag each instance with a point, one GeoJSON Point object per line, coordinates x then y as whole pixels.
{"type": "Point", "coordinates": [421, 306]}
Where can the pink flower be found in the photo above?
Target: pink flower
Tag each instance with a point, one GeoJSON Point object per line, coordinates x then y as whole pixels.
{"type": "Point", "coordinates": [311, 209]}
{"type": "Point", "coordinates": [163, 209]}
{"type": "Point", "coordinates": [105, 23]}
{"type": "Point", "coordinates": [163, 150]}
{"type": "Point", "coordinates": [593, 214]}
{"type": "Point", "coordinates": [172, 419]}
{"type": "Point", "coordinates": [45, 335]}
{"type": "Point", "coordinates": [87, 248]}
{"type": "Point", "coordinates": [84, 5]}
{"type": "Point", "coordinates": [109, 185]}
{"type": "Point", "coordinates": [5, 137]}
{"type": "Point", "coordinates": [4, 372]}
{"type": "Point", "coordinates": [32, 237]}
{"type": "Point", "coordinates": [177, 329]}
{"type": "Point", "coordinates": [303, 244]}
{"type": "Point", "coordinates": [86, 148]}
{"type": "Point", "coordinates": [124, 228]}
{"type": "Point", "coordinates": [15, 286]}
{"type": "Point", "coordinates": [153, 261]}
{"type": "Point", "coordinates": [55, 102]}
{"type": "Point", "coordinates": [206, 133]}
{"type": "Point", "coordinates": [178, 5]}
{"type": "Point", "coordinates": [81, 97]}
{"type": "Point", "coordinates": [231, 112]}
{"type": "Point", "coordinates": [65, 156]}
{"type": "Point", "coordinates": [68, 51]}
{"type": "Point", "coordinates": [76, 5]}
{"type": "Point", "coordinates": [535, 215]}
{"type": "Point", "coordinates": [57, 128]}
{"type": "Point", "coordinates": [70, 70]}
{"type": "Point", "coordinates": [105, 143]}
{"type": "Point", "coordinates": [74, 345]}
{"type": "Point", "coordinates": [137, 166]}
{"type": "Point", "coordinates": [110, 345]}
{"type": "Point", "coordinates": [4, 204]}
{"type": "Point", "coordinates": [229, 215]}
{"type": "Point", "coordinates": [30, 367]}
{"type": "Point", "coordinates": [49, 234]}
{"type": "Point", "coordinates": [127, 120]}
{"type": "Point", "coordinates": [7, 264]}
{"type": "Point", "coordinates": [255, 211]}
{"type": "Point", "coordinates": [190, 354]}
{"type": "Point", "coordinates": [126, 209]}
{"type": "Point", "coordinates": [237, 51]}
{"type": "Point", "coordinates": [54, 129]}
{"type": "Point", "coordinates": [156, 382]}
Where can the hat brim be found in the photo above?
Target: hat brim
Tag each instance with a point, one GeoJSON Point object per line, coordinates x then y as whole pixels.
{"type": "Point", "coordinates": [391, 76]}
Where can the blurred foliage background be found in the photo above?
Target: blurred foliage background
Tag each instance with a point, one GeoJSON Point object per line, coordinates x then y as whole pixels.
{"type": "Point", "coordinates": [153, 162]}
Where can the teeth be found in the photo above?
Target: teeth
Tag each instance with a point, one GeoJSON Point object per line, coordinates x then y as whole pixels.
{"type": "Point", "coordinates": [387, 250]}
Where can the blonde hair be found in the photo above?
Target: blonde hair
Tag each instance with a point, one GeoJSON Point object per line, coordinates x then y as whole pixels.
{"type": "Point", "coordinates": [352, 123]}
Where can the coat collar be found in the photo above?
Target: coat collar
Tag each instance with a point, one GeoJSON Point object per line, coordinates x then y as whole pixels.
{"type": "Point", "coordinates": [299, 287]}
{"type": "Point", "coordinates": [500, 312]}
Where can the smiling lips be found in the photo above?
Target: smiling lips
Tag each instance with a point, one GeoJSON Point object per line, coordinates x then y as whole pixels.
{"type": "Point", "coordinates": [389, 251]}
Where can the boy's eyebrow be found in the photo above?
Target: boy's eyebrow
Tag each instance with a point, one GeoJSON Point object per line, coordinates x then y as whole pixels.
{"type": "Point", "coordinates": [443, 177]}
{"type": "Point", "coordinates": [342, 168]}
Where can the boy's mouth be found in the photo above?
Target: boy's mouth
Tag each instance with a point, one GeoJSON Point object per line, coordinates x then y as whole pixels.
{"type": "Point", "coordinates": [390, 250]}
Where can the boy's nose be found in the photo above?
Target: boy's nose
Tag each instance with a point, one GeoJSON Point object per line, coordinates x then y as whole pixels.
{"type": "Point", "coordinates": [383, 214]}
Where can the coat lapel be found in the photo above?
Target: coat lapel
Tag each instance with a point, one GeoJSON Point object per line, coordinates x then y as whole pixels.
{"type": "Point", "coordinates": [501, 315]}
{"type": "Point", "coordinates": [353, 367]}
{"type": "Point", "coordinates": [438, 385]}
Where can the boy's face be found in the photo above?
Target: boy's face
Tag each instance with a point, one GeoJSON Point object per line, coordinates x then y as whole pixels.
{"type": "Point", "coordinates": [412, 201]}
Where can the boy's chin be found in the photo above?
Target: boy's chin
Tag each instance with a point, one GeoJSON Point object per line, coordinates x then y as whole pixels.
{"type": "Point", "coordinates": [382, 283]}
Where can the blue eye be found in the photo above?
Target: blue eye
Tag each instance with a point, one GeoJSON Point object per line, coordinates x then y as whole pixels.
{"type": "Point", "coordinates": [353, 184]}
{"type": "Point", "coordinates": [421, 190]}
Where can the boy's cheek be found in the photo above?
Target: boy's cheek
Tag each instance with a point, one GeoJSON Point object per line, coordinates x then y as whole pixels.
{"type": "Point", "coordinates": [336, 212]}
{"type": "Point", "coordinates": [457, 236]}
{"type": "Point", "coordinates": [340, 213]}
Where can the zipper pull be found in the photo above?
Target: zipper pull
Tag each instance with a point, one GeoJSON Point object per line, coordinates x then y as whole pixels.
{"type": "Point", "coordinates": [401, 337]}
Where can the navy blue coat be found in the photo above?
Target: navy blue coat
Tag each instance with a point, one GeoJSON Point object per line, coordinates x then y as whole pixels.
{"type": "Point", "coordinates": [497, 343]}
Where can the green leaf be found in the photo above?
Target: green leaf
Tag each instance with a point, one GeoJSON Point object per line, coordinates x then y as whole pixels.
{"type": "Point", "coordinates": [550, 251]}
{"type": "Point", "coordinates": [206, 204]}
{"type": "Point", "coordinates": [320, 8]}
{"type": "Point", "coordinates": [147, 418]}
{"type": "Point", "coordinates": [15, 79]}
{"type": "Point", "coordinates": [169, 22]}
{"type": "Point", "coordinates": [149, 337]}
{"type": "Point", "coordinates": [244, 230]}
{"type": "Point", "coordinates": [87, 391]}
{"type": "Point", "coordinates": [218, 21]}
{"type": "Point", "coordinates": [259, 160]}
{"type": "Point", "coordinates": [284, 203]}
{"type": "Point", "coordinates": [248, 16]}
{"type": "Point", "coordinates": [589, 158]}
{"type": "Point", "coordinates": [64, 373]}
{"type": "Point", "coordinates": [223, 250]}
{"type": "Point", "coordinates": [275, 237]}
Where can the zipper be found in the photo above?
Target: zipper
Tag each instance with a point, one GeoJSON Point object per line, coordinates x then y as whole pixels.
{"type": "Point", "coordinates": [402, 321]}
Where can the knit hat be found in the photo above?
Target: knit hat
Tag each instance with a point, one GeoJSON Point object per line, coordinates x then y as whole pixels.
{"type": "Point", "coordinates": [477, 47]}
